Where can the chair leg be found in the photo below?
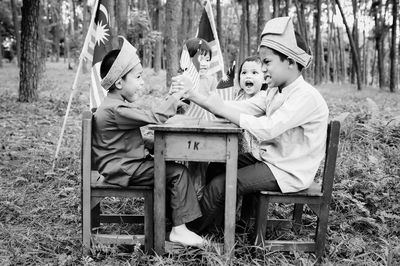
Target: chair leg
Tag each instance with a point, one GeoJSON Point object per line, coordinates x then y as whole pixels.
{"type": "Point", "coordinates": [321, 230]}
{"type": "Point", "coordinates": [297, 214]}
{"type": "Point", "coordinates": [95, 213]}
{"type": "Point", "coordinates": [86, 226]}
{"type": "Point", "coordinates": [148, 222]}
{"type": "Point", "coordinates": [261, 219]}
{"type": "Point", "coordinates": [248, 210]}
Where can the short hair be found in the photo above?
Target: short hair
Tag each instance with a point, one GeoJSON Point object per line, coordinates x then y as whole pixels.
{"type": "Point", "coordinates": [197, 44]}
{"type": "Point", "coordinates": [301, 44]}
{"type": "Point", "coordinates": [256, 59]}
{"type": "Point", "coordinates": [106, 64]}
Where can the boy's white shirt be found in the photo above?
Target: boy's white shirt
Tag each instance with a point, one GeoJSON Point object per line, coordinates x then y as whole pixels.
{"type": "Point", "coordinates": [291, 128]}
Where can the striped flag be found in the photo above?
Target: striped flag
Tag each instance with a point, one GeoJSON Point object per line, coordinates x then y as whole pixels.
{"type": "Point", "coordinates": [208, 32]}
{"type": "Point", "coordinates": [97, 45]}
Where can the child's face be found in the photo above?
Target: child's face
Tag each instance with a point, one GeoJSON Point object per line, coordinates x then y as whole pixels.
{"type": "Point", "coordinates": [251, 77]}
{"type": "Point", "coordinates": [133, 83]}
{"type": "Point", "coordinates": [204, 61]}
{"type": "Point", "coordinates": [276, 72]}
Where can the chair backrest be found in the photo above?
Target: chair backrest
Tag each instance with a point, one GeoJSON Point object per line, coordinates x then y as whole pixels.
{"type": "Point", "coordinates": [86, 149]}
{"type": "Point", "coordinates": [332, 144]}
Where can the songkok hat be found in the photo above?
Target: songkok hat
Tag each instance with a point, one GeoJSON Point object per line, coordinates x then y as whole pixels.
{"type": "Point", "coordinates": [278, 34]}
{"type": "Point", "coordinates": [125, 61]}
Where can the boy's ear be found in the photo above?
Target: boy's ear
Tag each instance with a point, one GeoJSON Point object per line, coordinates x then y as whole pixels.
{"type": "Point", "coordinates": [118, 83]}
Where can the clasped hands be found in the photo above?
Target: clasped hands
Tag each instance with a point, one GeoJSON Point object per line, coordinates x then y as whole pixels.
{"type": "Point", "coordinates": [183, 87]}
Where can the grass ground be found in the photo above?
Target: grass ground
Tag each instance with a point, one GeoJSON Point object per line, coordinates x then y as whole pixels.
{"type": "Point", "coordinates": [40, 208]}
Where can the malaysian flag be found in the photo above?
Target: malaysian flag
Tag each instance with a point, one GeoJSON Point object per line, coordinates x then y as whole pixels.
{"type": "Point", "coordinates": [208, 32]}
{"type": "Point", "coordinates": [97, 45]}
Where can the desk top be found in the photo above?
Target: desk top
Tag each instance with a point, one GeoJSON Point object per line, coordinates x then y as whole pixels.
{"type": "Point", "coordinates": [182, 123]}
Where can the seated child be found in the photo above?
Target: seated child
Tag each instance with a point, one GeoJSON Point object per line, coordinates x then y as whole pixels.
{"type": "Point", "coordinates": [290, 119]}
{"type": "Point", "coordinates": [251, 82]}
{"type": "Point", "coordinates": [200, 54]}
{"type": "Point", "coordinates": [118, 146]}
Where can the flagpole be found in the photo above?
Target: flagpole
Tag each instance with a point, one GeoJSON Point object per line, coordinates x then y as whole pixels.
{"type": "Point", "coordinates": [67, 112]}
{"type": "Point", "coordinates": [81, 58]}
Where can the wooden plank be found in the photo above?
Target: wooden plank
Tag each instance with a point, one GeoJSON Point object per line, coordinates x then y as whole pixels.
{"type": "Point", "coordinates": [200, 127]}
{"type": "Point", "coordinates": [282, 245]}
{"type": "Point", "coordinates": [117, 192]}
{"type": "Point", "coordinates": [314, 190]}
{"type": "Point", "coordinates": [85, 177]}
{"type": "Point", "coordinates": [295, 199]}
{"type": "Point", "coordinates": [195, 147]}
{"type": "Point", "coordinates": [230, 191]}
{"type": "Point", "coordinates": [122, 218]}
{"type": "Point", "coordinates": [159, 192]}
{"type": "Point", "coordinates": [118, 239]}
{"type": "Point", "coordinates": [149, 222]}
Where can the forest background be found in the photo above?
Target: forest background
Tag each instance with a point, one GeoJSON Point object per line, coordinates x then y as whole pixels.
{"type": "Point", "coordinates": [355, 46]}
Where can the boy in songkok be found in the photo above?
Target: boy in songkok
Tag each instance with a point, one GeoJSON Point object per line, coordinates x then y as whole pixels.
{"type": "Point", "coordinates": [118, 146]}
{"type": "Point", "coordinates": [289, 121]}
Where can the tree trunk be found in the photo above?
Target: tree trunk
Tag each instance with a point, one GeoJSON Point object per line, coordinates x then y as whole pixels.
{"type": "Point", "coordinates": [159, 42]}
{"type": "Point", "coordinates": [122, 18]}
{"type": "Point", "coordinates": [275, 4]}
{"type": "Point", "coordinates": [329, 45]}
{"type": "Point", "coordinates": [172, 17]}
{"type": "Point", "coordinates": [16, 30]}
{"type": "Point", "coordinates": [356, 58]}
{"type": "Point", "coordinates": [29, 72]}
{"type": "Point", "coordinates": [243, 34]}
{"type": "Point", "coordinates": [263, 16]}
{"type": "Point", "coordinates": [219, 25]}
{"type": "Point", "coordinates": [1, 51]}
{"type": "Point", "coordinates": [379, 36]}
{"type": "Point", "coordinates": [248, 27]}
{"type": "Point", "coordinates": [393, 56]}
{"type": "Point", "coordinates": [317, 46]}
{"type": "Point", "coordinates": [355, 37]}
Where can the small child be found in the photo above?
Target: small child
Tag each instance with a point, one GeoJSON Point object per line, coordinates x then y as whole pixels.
{"type": "Point", "coordinates": [200, 54]}
{"type": "Point", "coordinates": [118, 145]}
{"type": "Point", "coordinates": [251, 82]}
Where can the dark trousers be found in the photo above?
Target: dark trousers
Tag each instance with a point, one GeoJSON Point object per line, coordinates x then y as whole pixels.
{"type": "Point", "coordinates": [252, 176]}
{"type": "Point", "coordinates": [180, 191]}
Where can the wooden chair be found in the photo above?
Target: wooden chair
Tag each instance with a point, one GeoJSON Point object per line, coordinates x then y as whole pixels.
{"type": "Point", "coordinates": [317, 197]}
{"type": "Point", "coordinates": [94, 190]}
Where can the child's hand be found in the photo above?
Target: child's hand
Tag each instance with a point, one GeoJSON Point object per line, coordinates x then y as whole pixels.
{"type": "Point", "coordinates": [181, 87]}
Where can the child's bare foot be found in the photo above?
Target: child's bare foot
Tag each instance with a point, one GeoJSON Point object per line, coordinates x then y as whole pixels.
{"type": "Point", "coordinates": [182, 235]}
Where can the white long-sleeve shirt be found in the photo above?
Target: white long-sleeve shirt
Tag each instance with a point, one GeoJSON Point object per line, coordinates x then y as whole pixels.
{"type": "Point", "coordinates": [291, 128]}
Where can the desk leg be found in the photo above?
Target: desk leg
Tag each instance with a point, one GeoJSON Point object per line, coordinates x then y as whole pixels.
{"type": "Point", "coordinates": [159, 193]}
{"type": "Point", "coordinates": [230, 191]}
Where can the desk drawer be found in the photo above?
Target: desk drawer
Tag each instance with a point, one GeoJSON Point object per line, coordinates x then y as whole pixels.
{"type": "Point", "coordinates": [195, 147]}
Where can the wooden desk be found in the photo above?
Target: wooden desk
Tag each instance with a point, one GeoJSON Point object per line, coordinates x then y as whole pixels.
{"type": "Point", "coordinates": [195, 140]}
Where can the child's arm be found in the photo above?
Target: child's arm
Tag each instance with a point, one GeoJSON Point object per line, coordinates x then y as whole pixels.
{"type": "Point", "coordinates": [133, 116]}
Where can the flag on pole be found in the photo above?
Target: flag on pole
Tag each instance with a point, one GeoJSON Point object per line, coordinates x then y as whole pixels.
{"type": "Point", "coordinates": [97, 45]}
{"type": "Point", "coordinates": [208, 32]}
{"type": "Point", "coordinates": [191, 66]}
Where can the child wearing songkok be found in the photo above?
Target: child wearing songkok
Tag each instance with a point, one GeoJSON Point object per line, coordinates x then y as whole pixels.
{"type": "Point", "coordinates": [118, 146]}
{"type": "Point", "coordinates": [290, 120]}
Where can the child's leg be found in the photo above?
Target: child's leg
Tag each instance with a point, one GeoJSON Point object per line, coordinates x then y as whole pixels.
{"type": "Point", "coordinates": [183, 200]}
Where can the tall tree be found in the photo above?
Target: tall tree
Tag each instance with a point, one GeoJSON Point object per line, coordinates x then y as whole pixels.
{"type": "Point", "coordinates": [393, 56]}
{"type": "Point", "coordinates": [355, 38]}
{"type": "Point", "coordinates": [263, 16]}
{"type": "Point", "coordinates": [172, 19]}
{"type": "Point", "coordinates": [219, 21]}
{"type": "Point", "coordinates": [29, 72]}
{"type": "Point", "coordinates": [317, 46]}
{"type": "Point", "coordinates": [159, 41]}
{"type": "Point", "coordinates": [122, 18]}
{"type": "Point", "coordinates": [379, 33]}
{"type": "Point", "coordinates": [16, 30]}
{"type": "Point", "coordinates": [354, 49]}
